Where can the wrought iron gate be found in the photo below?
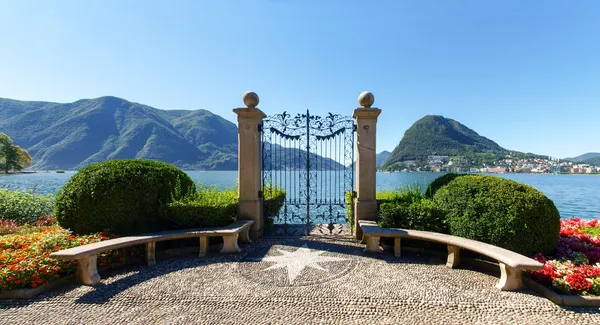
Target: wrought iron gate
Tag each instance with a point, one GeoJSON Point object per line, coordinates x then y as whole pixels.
{"type": "Point", "coordinates": [311, 159]}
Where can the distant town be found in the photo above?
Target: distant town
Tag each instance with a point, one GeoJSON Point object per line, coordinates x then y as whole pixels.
{"type": "Point", "coordinates": [550, 165]}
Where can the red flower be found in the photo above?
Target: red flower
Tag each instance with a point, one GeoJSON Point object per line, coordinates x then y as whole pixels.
{"type": "Point", "coordinates": [578, 282]}
{"type": "Point", "coordinates": [545, 276]}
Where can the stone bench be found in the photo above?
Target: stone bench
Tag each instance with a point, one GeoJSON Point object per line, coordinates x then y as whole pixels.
{"type": "Point", "coordinates": [86, 255]}
{"type": "Point", "coordinates": [511, 264]}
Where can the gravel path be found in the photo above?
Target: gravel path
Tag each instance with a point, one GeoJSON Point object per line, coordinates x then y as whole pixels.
{"type": "Point", "coordinates": [294, 281]}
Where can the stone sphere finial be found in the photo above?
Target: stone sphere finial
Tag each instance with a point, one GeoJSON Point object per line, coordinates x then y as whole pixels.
{"type": "Point", "coordinates": [250, 99]}
{"type": "Point", "coordinates": [366, 99]}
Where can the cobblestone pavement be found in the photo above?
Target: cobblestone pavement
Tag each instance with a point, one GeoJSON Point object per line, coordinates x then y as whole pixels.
{"type": "Point", "coordinates": [294, 281]}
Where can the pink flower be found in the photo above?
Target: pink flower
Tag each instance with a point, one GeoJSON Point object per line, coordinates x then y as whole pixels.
{"type": "Point", "coordinates": [589, 271]}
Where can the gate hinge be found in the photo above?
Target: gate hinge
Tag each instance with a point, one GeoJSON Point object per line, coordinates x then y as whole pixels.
{"type": "Point", "coordinates": [354, 127]}
{"type": "Point", "coordinates": [260, 127]}
{"type": "Point", "coordinates": [260, 194]}
{"type": "Point", "coordinates": [354, 194]}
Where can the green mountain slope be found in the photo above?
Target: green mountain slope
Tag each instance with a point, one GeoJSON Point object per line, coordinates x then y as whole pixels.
{"type": "Point", "coordinates": [593, 161]}
{"type": "Point", "coordinates": [280, 158]}
{"type": "Point", "coordinates": [437, 135]}
{"type": "Point", "coordinates": [73, 135]}
{"type": "Point", "coordinates": [590, 158]}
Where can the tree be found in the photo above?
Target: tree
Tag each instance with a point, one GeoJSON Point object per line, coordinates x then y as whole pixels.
{"type": "Point", "coordinates": [397, 166]}
{"type": "Point", "coordinates": [12, 157]}
{"type": "Point", "coordinates": [23, 157]}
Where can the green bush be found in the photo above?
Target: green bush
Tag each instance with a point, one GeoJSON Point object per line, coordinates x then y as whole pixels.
{"type": "Point", "coordinates": [439, 182]}
{"type": "Point", "coordinates": [24, 208]}
{"type": "Point", "coordinates": [209, 207]}
{"type": "Point", "coordinates": [349, 200]}
{"type": "Point", "coordinates": [125, 196]}
{"type": "Point", "coordinates": [500, 212]}
{"type": "Point", "coordinates": [406, 194]}
{"type": "Point", "coordinates": [408, 208]}
{"type": "Point", "coordinates": [418, 215]}
{"type": "Point", "coordinates": [273, 200]}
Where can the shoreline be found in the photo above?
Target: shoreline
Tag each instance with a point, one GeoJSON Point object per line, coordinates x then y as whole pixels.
{"type": "Point", "coordinates": [27, 172]}
{"type": "Point", "coordinates": [378, 171]}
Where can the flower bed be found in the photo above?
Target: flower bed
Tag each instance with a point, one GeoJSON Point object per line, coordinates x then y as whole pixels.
{"type": "Point", "coordinates": [25, 255]}
{"type": "Point", "coordinates": [575, 266]}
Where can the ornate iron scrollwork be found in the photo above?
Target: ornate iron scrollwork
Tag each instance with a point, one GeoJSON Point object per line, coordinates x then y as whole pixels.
{"type": "Point", "coordinates": [312, 159]}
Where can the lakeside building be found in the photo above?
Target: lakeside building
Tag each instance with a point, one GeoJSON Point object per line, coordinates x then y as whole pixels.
{"type": "Point", "coordinates": [497, 170]}
{"type": "Point", "coordinates": [438, 163]}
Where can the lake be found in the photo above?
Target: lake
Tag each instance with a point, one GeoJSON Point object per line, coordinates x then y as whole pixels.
{"type": "Point", "coordinates": [573, 195]}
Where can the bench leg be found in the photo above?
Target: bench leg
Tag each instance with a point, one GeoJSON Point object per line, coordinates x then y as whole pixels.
{"type": "Point", "coordinates": [203, 246]}
{"type": "Point", "coordinates": [230, 244]}
{"type": "Point", "coordinates": [453, 256]}
{"type": "Point", "coordinates": [150, 253]}
{"type": "Point", "coordinates": [245, 236]}
{"type": "Point", "coordinates": [372, 245]}
{"type": "Point", "coordinates": [510, 278]}
{"type": "Point", "coordinates": [397, 246]}
{"type": "Point", "coordinates": [87, 272]}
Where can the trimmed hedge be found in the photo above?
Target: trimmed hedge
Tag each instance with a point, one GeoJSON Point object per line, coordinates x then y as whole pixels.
{"type": "Point", "coordinates": [213, 207]}
{"type": "Point", "coordinates": [500, 212]}
{"type": "Point", "coordinates": [273, 200]}
{"type": "Point", "coordinates": [23, 207]}
{"type": "Point", "coordinates": [349, 209]}
{"type": "Point", "coordinates": [405, 207]}
{"type": "Point", "coordinates": [209, 207]}
{"type": "Point", "coordinates": [125, 196]}
{"type": "Point", "coordinates": [418, 215]}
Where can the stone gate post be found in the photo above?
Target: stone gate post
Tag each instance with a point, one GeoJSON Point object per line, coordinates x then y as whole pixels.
{"type": "Point", "coordinates": [250, 163]}
{"type": "Point", "coordinates": [365, 206]}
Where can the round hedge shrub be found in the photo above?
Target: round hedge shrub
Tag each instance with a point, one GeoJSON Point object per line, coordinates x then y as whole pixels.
{"type": "Point", "coordinates": [439, 182]}
{"type": "Point", "coordinates": [125, 196]}
{"type": "Point", "coordinates": [500, 212]}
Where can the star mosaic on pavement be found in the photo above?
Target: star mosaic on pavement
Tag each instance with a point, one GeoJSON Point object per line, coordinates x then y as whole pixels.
{"type": "Point", "coordinates": [298, 260]}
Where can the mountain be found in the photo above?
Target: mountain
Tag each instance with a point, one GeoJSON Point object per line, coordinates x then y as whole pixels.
{"type": "Point", "coordinates": [280, 158]}
{"type": "Point", "coordinates": [593, 161]}
{"type": "Point", "coordinates": [74, 135]}
{"type": "Point", "coordinates": [437, 135]}
{"type": "Point", "coordinates": [381, 157]}
{"type": "Point", "coordinates": [590, 158]}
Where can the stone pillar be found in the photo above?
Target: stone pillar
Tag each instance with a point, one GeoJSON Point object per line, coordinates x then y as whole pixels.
{"type": "Point", "coordinates": [250, 163]}
{"type": "Point", "coordinates": [365, 206]}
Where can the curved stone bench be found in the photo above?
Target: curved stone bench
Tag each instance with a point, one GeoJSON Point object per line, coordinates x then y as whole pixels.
{"type": "Point", "coordinates": [86, 255]}
{"type": "Point", "coordinates": [511, 264]}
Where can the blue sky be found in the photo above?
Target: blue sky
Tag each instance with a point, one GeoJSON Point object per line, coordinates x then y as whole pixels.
{"type": "Point", "coordinates": [525, 74]}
